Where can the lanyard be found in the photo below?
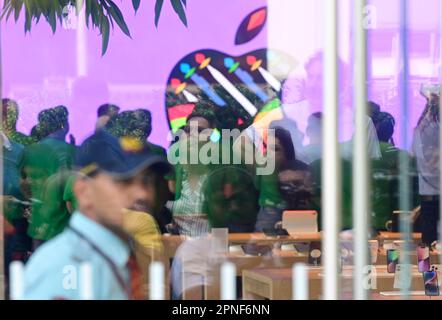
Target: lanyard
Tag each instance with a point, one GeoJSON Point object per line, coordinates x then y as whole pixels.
{"type": "Point", "coordinates": [109, 261]}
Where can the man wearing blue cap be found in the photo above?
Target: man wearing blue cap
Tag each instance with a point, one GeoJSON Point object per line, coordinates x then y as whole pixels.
{"type": "Point", "coordinates": [108, 182]}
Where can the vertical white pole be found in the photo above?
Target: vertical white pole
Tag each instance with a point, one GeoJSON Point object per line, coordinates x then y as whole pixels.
{"type": "Point", "coordinates": [331, 165]}
{"type": "Point", "coordinates": [156, 281]}
{"type": "Point", "coordinates": [300, 282]}
{"type": "Point", "coordinates": [228, 281]}
{"type": "Point", "coordinates": [16, 280]}
{"type": "Point", "coordinates": [86, 282]}
{"type": "Point", "coordinates": [361, 165]}
{"type": "Point", "coordinates": [81, 39]}
{"type": "Point", "coordinates": [404, 165]}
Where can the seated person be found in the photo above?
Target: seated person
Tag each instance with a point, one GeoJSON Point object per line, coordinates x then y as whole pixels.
{"type": "Point", "coordinates": [189, 176]}
{"type": "Point", "coordinates": [288, 176]}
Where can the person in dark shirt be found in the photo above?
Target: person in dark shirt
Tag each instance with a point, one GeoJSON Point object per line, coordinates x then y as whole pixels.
{"type": "Point", "coordinates": [294, 178]}
{"type": "Point", "coordinates": [104, 113]}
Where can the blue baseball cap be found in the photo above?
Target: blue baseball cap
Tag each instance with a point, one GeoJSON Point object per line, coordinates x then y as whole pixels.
{"type": "Point", "coordinates": [121, 158]}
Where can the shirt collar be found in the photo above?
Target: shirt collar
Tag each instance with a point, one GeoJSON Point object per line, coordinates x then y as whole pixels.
{"type": "Point", "coordinates": [113, 246]}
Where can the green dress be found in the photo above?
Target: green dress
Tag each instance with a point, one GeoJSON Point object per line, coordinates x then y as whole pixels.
{"type": "Point", "coordinates": [384, 187]}
{"type": "Point", "coordinates": [46, 166]}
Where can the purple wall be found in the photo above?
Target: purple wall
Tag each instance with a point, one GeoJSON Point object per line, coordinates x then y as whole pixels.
{"type": "Point", "coordinates": [39, 69]}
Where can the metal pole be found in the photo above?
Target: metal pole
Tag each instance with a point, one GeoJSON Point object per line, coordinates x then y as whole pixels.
{"type": "Point", "coordinates": [331, 165]}
{"type": "Point", "coordinates": [300, 282]}
{"type": "Point", "coordinates": [17, 286]}
{"type": "Point", "coordinates": [404, 162]}
{"type": "Point", "coordinates": [361, 164]}
{"type": "Point", "coordinates": [157, 280]}
{"type": "Point", "coordinates": [228, 281]}
{"type": "Point", "coordinates": [86, 281]}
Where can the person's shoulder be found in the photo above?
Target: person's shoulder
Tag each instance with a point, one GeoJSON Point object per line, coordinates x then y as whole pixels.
{"type": "Point", "coordinates": [297, 165]}
{"type": "Point", "coordinates": [17, 146]}
{"type": "Point", "coordinates": [138, 219]}
{"type": "Point", "coordinates": [48, 267]}
{"type": "Point", "coordinates": [54, 250]}
{"type": "Point", "coordinates": [301, 165]}
{"type": "Point", "coordinates": [157, 149]}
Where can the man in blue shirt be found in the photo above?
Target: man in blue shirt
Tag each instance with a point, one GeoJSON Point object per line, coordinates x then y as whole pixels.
{"type": "Point", "coordinates": [108, 182]}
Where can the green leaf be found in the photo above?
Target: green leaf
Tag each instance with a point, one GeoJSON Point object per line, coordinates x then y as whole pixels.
{"type": "Point", "coordinates": [95, 13]}
{"type": "Point", "coordinates": [184, 2]}
{"type": "Point", "coordinates": [136, 4]}
{"type": "Point", "coordinates": [158, 7]}
{"type": "Point", "coordinates": [178, 7]}
{"type": "Point", "coordinates": [28, 16]}
{"type": "Point", "coordinates": [6, 6]}
{"type": "Point", "coordinates": [18, 5]}
{"type": "Point", "coordinates": [88, 12]}
{"type": "Point", "coordinates": [118, 17]}
{"type": "Point", "coordinates": [79, 5]}
{"type": "Point", "coordinates": [7, 9]}
{"type": "Point", "coordinates": [104, 28]}
{"type": "Point", "coordinates": [51, 15]}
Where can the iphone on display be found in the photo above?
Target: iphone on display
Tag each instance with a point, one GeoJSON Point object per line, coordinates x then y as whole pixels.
{"type": "Point", "coordinates": [431, 283]}
{"type": "Point", "coordinates": [423, 258]}
{"type": "Point", "coordinates": [392, 260]}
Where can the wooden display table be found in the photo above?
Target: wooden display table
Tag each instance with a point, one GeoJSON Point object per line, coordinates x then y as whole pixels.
{"type": "Point", "coordinates": [172, 242]}
{"type": "Point", "coordinates": [276, 284]}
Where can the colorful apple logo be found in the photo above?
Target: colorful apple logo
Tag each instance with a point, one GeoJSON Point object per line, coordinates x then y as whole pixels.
{"type": "Point", "coordinates": [242, 84]}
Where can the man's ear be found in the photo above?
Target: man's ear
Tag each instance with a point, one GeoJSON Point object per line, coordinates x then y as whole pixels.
{"type": "Point", "coordinates": [80, 187]}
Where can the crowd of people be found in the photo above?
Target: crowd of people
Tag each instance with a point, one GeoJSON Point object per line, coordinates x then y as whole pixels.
{"type": "Point", "coordinates": [108, 200]}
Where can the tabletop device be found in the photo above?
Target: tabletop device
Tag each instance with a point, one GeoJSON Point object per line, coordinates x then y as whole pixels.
{"type": "Point", "coordinates": [423, 258]}
{"type": "Point", "coordinates": [431, 283]}
{"type": "Point", "coordinates": [257, 250]}
{"type": "Point", "coordinates": [392, 260]}
{"type": "Point", "coordinates": [299, 222]}
{"type": "Point", "coordinates": [275, 232]}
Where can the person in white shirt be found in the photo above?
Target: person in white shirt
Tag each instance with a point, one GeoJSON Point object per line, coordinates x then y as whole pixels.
{"type": "Point", "coordinates": [426, 151]}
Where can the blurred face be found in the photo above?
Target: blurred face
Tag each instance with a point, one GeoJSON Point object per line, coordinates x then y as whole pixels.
{"type": "Point", "coordinates": [149, 200]}
{"type": "Point", "coordinates": [197, 125]}
{"type": "Point", "coordinates": [198, 130]}
{"type": "Point", "coordinates": [278, 151]}
{"type": "Point", "coordinates": [102, 121]}
{"type": "Point", "coordinates": [102, 198]}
